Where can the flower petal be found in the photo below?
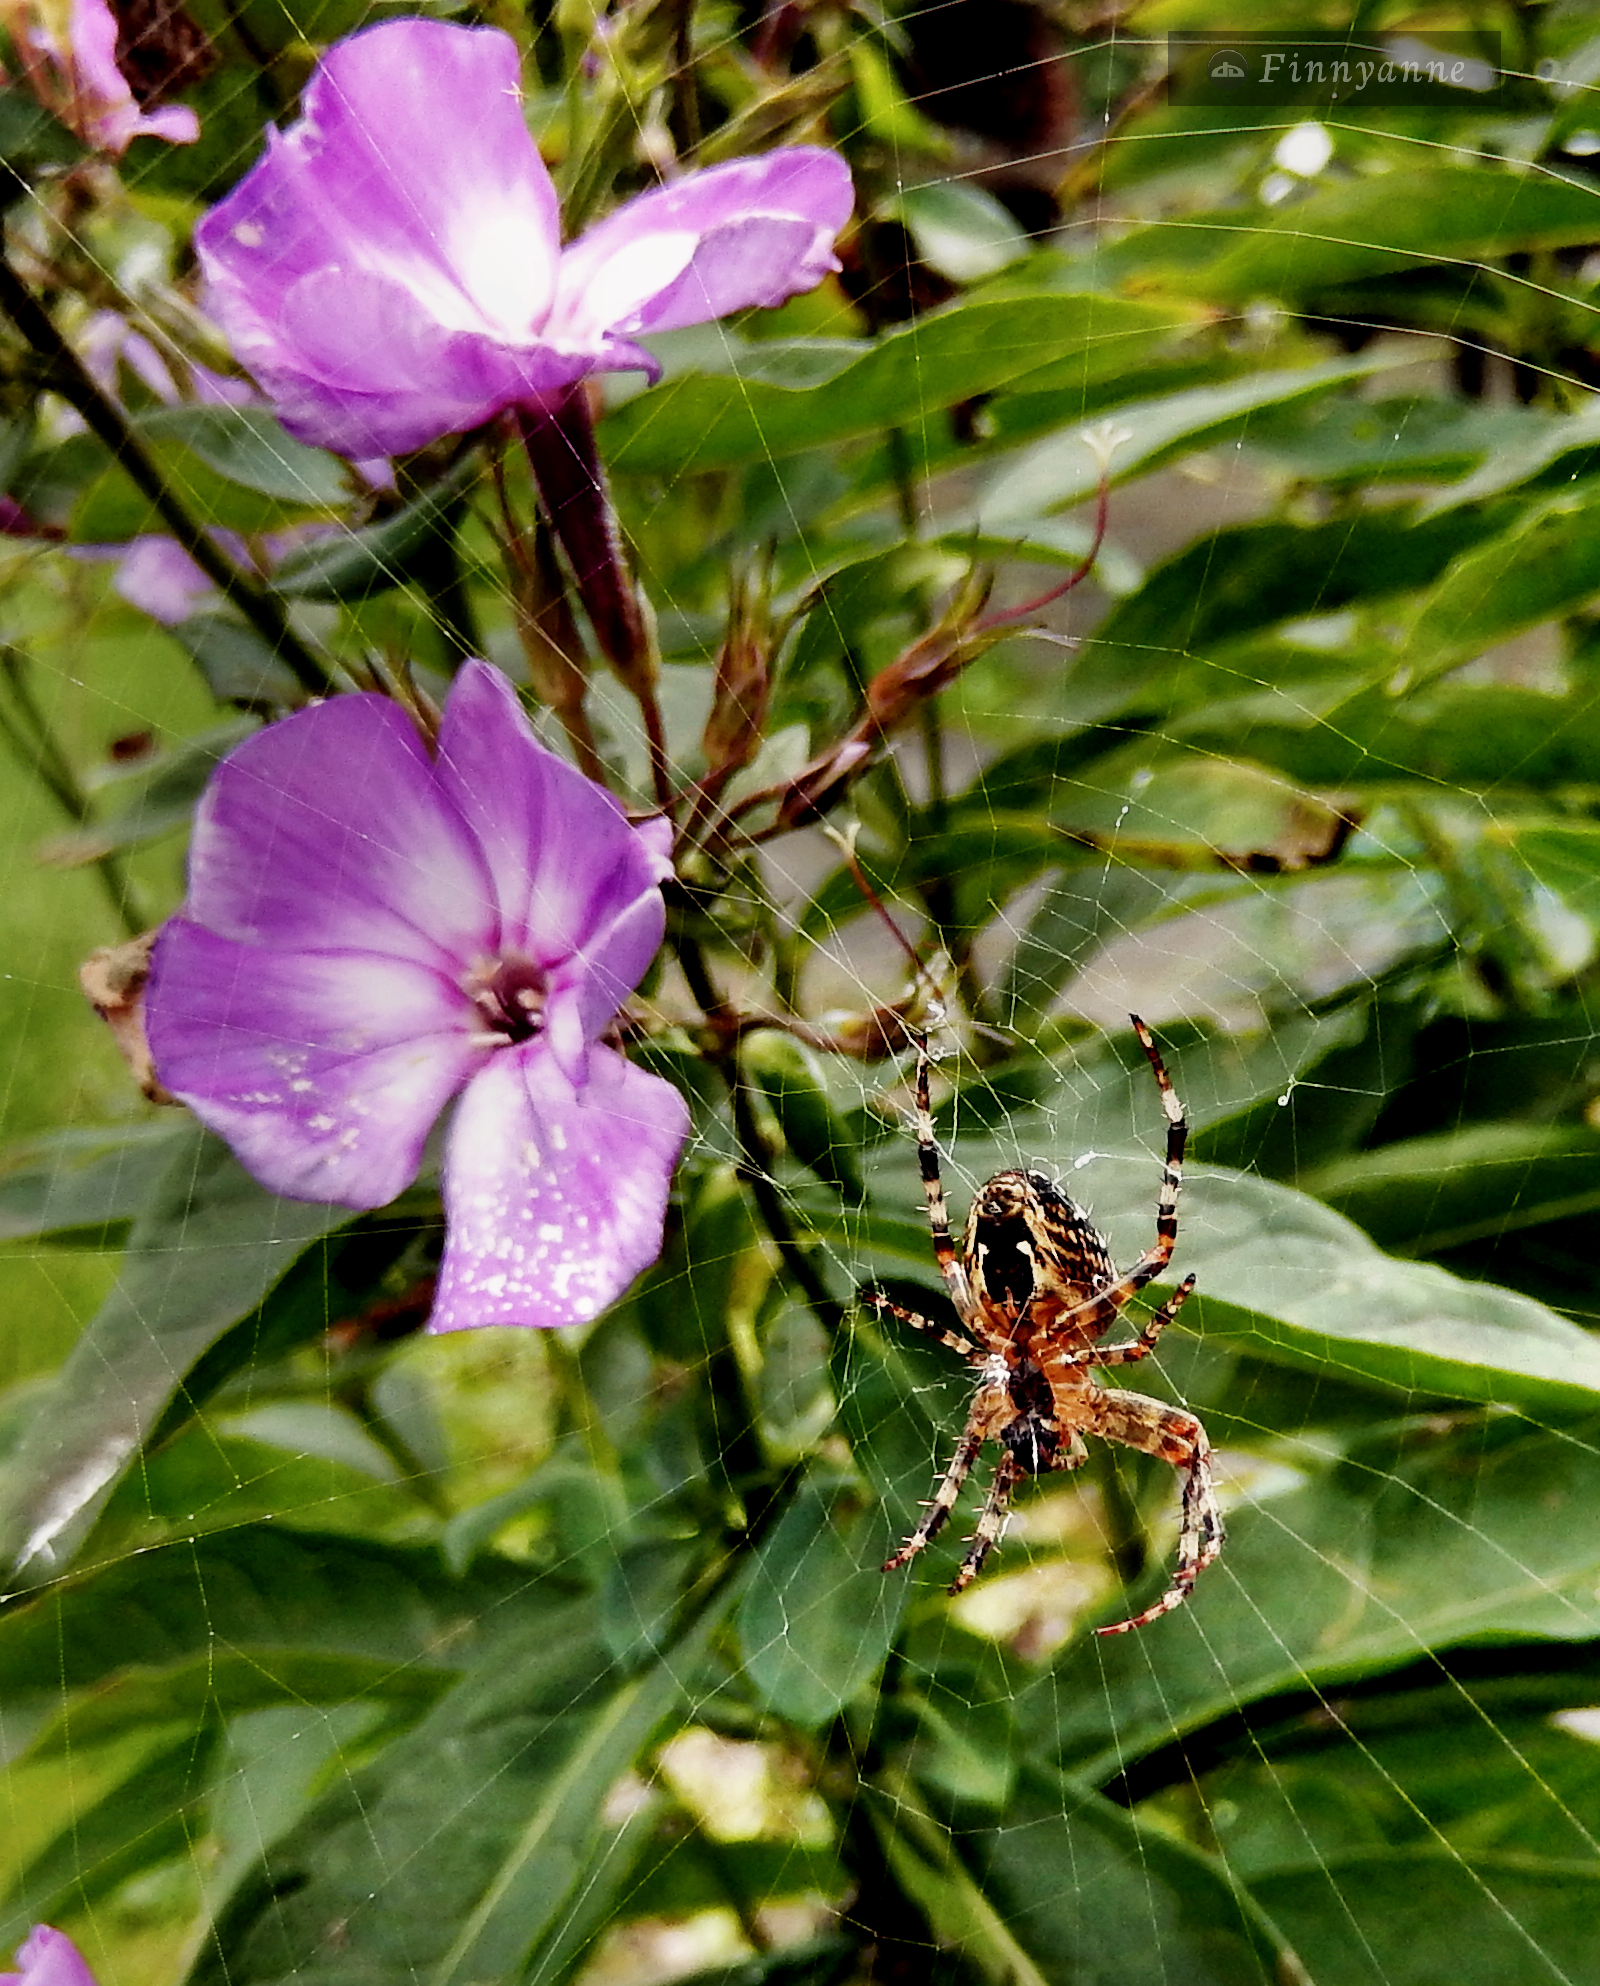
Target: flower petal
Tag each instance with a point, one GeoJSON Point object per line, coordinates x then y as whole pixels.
{"type": "Point", "coordinates": [566, 866]}
{"type": "Point", "coordinates": [103, 110]}
{"type": "Point", "coordinates": [158, 576]}
{"type": "Point", "coordinates": [555, 1198]}
{"type": "Point", "coordinates": [48, 1957]}
{"type": "Point", "coordinates": [323, 1070]}
{"type": "Point", "coordinates": [753, 231]}
{"type": "Point", "coordinates": [328, 831]}
{"type": "Point", "coordinates": [412, 190]}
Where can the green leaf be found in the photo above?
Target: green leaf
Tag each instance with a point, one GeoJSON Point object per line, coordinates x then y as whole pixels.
{"type": "Point", "coordinates": [30, 138]}
{"type": "Point", "coordinates": [1541, 446]}
{"type": "Point", "coordinates": [1354, 228]}
{"type": "Point", "coordinates": [150, 1818]}
{"type": "Point", "coordinates": [256, 1591]}
{"type": "Point", "coordinates": [887, 113]}
{"type": "Point", "coordinates": [959, 229]}
{"type": "Point", "coordinates": [1563, 856]}
{"type": "Point", "coordinates": [1408, 1768]}
{"type": "Point", "coordinates": [238, 664]}
{"type": "Point", "coordinates": [82, 1183]}
{"type": "Point", "coordinates": [1351, 442]}
{"type": "Point", "coordinates": [1232, 583]}
{"type": "Point", "coordinates": [775, 399]}
{"type": "Point", "coordinates": [1415, 1917]}
{"type": "Point", "coordinates": [1286, 1279]}
{"type": "Point", "coordinates": [249, 448]}
{"type": "Point", "coordinates": [154, 800]}
{"type": "Point", "coordinates": [354, 565]}
{"type": "Point", "coordinates": [208, 1247]}
{"type": "Point", "coordinates": [1148, 806]}
{"type": "Point", "coordinates": [232, 466]}
{"type": "Point", "coordinates": [819, 1615]}
{"type": "Point", "coordinates": [1066, 468]}
{"type": "Point", "coordinates": [1547, 563]}
{"type": "Point", "coordinates": [1379, 738]}
{"type": "Point", "coordinates": [1447, 1530]}
{"type": "Point", "coordinates": [1430, 1194]}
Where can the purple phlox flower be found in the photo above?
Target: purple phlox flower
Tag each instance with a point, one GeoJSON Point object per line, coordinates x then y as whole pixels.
{"type": "Point", "coordinates": [392, 270]}
{"type": "Point", "coordinates": [68, 53]}
{"type": "Point", "coordinates": [371, 931]}
{"type": "Point", "coordinates": [48, 1958]}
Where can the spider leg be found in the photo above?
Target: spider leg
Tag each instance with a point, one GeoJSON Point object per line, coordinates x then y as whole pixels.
{"type": "Point", "coordinates": [991, 1523]}
{"type": "Point", "coordinates": [945, 1252]}
{"type": "Point", "coordinates": [885, 1305]}
{"type": "Point", "coordinates": [1176, 1437]}
{"type": "Point", "coordinates": [1144, 1344]}
{"type": "Point", "coordinates": [1154, 1260]}
{"type": "Point", "coordinates": [944, 1501]}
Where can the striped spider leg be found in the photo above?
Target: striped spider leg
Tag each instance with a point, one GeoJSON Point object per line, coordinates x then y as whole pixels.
{"type": "Point", "coordinates": [1035, 1290]}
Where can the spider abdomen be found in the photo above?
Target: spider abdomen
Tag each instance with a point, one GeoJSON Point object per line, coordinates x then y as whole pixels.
{"type": "Point", "coordinates": [1031, 1250]}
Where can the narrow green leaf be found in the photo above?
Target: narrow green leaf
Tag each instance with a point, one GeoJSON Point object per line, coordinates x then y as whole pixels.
{"type": "Point", "coordinates": [156, 800]}
{"type": "Point", "coordinates": [238, 664]}
{"type": "Point", "coordinates": [208, 1247]}
{"type": "Point", "coordinates": [1438, 1192]}
{"type": "Point", "coordinates": [251, 1590]}
{"type": "Point", "coordinates": [82, 1182]}
{"type": "Point", "coordinates": [1141, 1909]}
{"type": "Point", "coordinates": [959, 229]}
{"type": "Point", "coordinates": [1136, 1906]}
{"type": "Point", "coordinates": [1066, 468]}
{"type": "Point", "coordinates": [1547, 563]}
{"type": "Point", "coordinates": [248, 447]}
{"type": "Point", "coordinates": [354, 565]}
{"type": "Point", "coordinates": [777, 399]}
{"type": "Point", "coordinates": [1281, 1276]}
{"type": "Point", "coordinates": [29, 139]}
{"type": "Point", "coordinates": [233, 466]}
{"type": "Point", "coordinates": [150, 1818]}
{"type": "Point", "coordinates": [1359, 227]}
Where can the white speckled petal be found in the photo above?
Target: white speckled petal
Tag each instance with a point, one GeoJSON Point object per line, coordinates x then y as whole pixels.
{"type": "Point", "coordinates": [323, 1070]}
{"type": "Point", "coordinates": [554, 1197]}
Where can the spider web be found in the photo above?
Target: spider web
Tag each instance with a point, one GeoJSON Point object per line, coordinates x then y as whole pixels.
{"type": "Point", "coordinates": [1379, 1717]}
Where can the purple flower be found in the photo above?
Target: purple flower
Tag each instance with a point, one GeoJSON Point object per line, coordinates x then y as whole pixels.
{"type": "Point", "coordinates": [69, 55]}
{"type": "Point", "coordinates": [48, 1958]}
{"type": "Point", "coordinates": [392, 270]}
{"type": "Point", "coordinates": [371, 931]}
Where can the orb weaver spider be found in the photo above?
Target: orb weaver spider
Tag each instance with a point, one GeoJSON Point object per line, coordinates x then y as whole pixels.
{"type": "Point", "coordinates": [1035, 1290]}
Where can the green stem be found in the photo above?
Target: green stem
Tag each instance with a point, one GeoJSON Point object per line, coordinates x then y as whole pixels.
{"type": "Point", "coordinates": [65, 374]}
{"type": "Point", "coordinates": [437, 567]}
{"type": "Point", "coordinates": [755, 1160]}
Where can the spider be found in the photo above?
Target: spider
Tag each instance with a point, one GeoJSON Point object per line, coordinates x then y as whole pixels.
{"type": "Point", "coordinates": [1035, 1289]}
